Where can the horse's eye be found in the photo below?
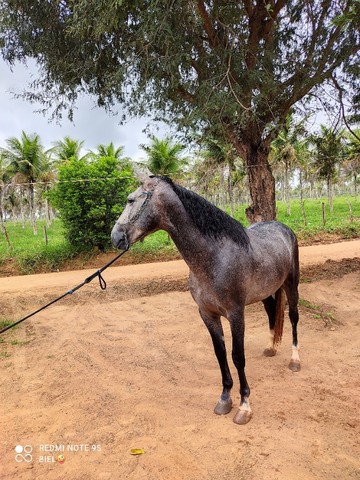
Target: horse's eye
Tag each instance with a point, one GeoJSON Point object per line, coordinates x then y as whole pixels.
{"type": "Point", "coordinates": [131, 200]}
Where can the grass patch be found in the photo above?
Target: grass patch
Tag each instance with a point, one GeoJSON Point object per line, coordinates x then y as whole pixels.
{"type": "Point", "coordinates": [306, 304]}
{"type": "Point", "coordinates": [158, 242]}
{"type": "Point", "coordinates": [338, 222]}
{"type": "Point", "coordinates": [319, 313]}
{"type": "Point", "coordinates": [19, 342]}
{"type": "Point", "coordinates": [4, 322]}
{"type": "Point", "coordinates": [30, 253]}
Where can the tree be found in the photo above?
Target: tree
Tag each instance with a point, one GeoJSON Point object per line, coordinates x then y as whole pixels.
{"type": "Point", "coordinates": [26, 160]}
{"type": "Point", "coordinates": [232, 69]}
{"type": "Point", "coordinates": [90, 195]}
{"type": "Point", "coordinates": [287, 153]}
{"type": "Point", "coordinates": [219, 161]}
{"type": "Point", "coordinates": [46, 179]}
{"type": "Point", "coordinates": [164, 157]}
{"type": "Point", "coordinates": [328, 153]}
{"type": "Point", "coordinates": [66, 149]}
{"type": "Point", "coordinates": [109, 151]}
{"type": "Point", "coordinates": [352, 160]}
{"type": "Point", "coordinates": [4, 182]}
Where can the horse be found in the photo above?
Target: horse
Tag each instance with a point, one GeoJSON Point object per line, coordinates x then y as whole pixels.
{"type": "Point", "coordinates": [230, 266]}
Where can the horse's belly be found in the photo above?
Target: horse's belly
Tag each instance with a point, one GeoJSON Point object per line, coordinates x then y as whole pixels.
{"type": "Point", "coordinates": [255, 296]}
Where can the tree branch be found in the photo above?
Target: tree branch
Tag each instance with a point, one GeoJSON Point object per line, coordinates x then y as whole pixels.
{"type": "Point", "coordinates": [340, 91]}
{"type": "Point", "coordinates": [208, 25]}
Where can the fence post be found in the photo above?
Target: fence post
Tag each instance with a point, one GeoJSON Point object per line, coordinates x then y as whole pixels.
{"type": "Point", "coordinates": [45, 235]}
{"type": "Point", "coordinates": [303, 212]}
{"type": "Point", "coordinates": [351, 213]}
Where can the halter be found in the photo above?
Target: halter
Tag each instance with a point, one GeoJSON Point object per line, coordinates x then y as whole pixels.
{"type": "Point", "coordinates": [138, 214]}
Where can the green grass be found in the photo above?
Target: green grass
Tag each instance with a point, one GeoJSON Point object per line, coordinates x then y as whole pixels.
{"type": "Point", "coordinates": [158, 241]}
{"type": "Point", "coordinates": [337, 222]}
{"type": "Point", "coordinates": [318, 313]}
{"type": "Point", "coordinates": [30, 254]}
{"type": "Point", "coordinates": [30, 251]}
{"type": "Point", "coordinates": [4, 322]}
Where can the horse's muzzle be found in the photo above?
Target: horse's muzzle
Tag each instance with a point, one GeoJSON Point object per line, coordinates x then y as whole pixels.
{"type": "Point", "coordinates": [119, 238]}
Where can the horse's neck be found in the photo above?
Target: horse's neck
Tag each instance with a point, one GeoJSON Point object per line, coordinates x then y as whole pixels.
{"type": "Point", "coordinates": [196, 249]}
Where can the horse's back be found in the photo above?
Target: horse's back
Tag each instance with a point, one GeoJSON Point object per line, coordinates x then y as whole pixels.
{"type": "Point", "coordinates": [274, 237]}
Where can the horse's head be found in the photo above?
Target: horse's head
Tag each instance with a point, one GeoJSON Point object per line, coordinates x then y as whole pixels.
{"type": "Point", "coordinates": [140, 216]}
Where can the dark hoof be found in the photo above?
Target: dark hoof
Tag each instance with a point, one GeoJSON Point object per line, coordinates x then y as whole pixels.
{"type": "Point", "coordinates": [269, 352]}
{"type": "Point", "coordinates": [223, 407]}
{"type": "Point", "coordinates": [242, 417]}
{"type": "Point", "coordinates": [295, 366]}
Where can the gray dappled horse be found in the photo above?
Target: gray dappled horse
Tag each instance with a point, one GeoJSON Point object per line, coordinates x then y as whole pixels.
{"type": "Point", "coordinates": [230, 267]}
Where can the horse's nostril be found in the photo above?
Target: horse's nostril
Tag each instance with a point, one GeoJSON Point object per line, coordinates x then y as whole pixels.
{"type": "Point", "coordinates": [118, 238]}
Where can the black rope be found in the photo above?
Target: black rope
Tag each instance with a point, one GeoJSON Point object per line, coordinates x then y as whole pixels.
{"type": "Point", "coordinates": [89, 279]}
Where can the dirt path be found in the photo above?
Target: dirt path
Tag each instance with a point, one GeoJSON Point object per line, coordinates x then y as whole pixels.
{"type": "Point", "coordinates": [101, 373]}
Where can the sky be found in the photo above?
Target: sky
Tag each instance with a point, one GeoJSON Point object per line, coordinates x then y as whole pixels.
{"type": "Point", "coordinates": [91, 124]}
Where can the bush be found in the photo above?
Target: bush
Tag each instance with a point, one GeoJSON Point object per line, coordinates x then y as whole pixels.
{"type": "Point", "coordinates": [90, 196]}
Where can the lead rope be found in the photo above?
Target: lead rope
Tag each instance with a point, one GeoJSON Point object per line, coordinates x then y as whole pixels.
{"type": "Point", "coordinates": [102, 284]}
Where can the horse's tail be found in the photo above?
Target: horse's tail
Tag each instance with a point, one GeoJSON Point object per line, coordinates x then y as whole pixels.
{"type": "Point", "coordinates": [279, 316]}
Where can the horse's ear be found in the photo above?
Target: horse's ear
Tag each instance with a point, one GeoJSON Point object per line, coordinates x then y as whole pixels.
{"type": "Point", "coordinates": [142, 174]}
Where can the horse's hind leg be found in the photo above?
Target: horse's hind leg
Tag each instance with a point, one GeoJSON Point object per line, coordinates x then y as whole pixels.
{"type": "Point", "coordinates": [270, 308]}
{"type": "Point", "coordinates": [214, 326]}
{"type": "Point", "coordinates": [291, 289]}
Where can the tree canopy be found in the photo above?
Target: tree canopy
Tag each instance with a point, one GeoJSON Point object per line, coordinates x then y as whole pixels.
{"type": "Point", "coordinates": [232, 70]}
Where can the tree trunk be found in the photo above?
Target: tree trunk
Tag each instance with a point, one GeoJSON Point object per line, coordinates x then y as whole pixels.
{"type": "Point", "coordinates": [287, 188]}
{"type": "Point", "coordinates": [355, 187]}
{"type": "Point", "coordinates": [2, 217]}
{"type": "Point", "coordinates": [32, 208]}
{"type": "Point", "coordinates": [330, 194]}
{"type": "Point", "coordinates": [230, 190]}
{"type": "Point", "coordinates": [261, 184]}
{"type": "Point", "coordinates": [255, 153]}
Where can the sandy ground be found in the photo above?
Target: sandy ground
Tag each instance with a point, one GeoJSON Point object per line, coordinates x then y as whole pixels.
{"type": "Point", "coordinates": [101, 373]}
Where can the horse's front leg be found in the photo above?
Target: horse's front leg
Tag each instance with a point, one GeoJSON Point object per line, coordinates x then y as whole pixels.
{"type": "Point", "coordinates": [237, 323]}
{"type": "Point", "coordinates": [214, 326]}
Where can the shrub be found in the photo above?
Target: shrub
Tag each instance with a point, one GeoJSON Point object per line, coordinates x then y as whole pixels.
{"type": "Point", "coordinates": [89, 197]}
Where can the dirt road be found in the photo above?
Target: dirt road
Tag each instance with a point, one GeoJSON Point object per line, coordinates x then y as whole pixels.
{"type": "Point", "coordinates": [101, 373]}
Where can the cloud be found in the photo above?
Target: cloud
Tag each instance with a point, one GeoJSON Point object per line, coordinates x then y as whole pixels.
{"type": "Point", "coordinates": [91, 124]}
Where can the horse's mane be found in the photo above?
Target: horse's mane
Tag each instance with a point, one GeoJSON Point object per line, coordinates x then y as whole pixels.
{"type": "Point", "coordinates": [210, 220]}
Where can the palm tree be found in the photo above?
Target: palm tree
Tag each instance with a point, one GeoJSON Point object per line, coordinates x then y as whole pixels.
{"type": "Point", "coordinates": [47, 177]}
{"type": "Point", "coordinates": [110, 151]}
{"type": "Point", "coordinates": [4, 183]}
{"type": "Point", "coordinates": [66, 149]}
{"type": "Point", "coordinates": [328, 152]}
{"type": "Point", "coordinates": [164, 157]}
{"type": "Point", "coordinates": [26, 159]}
{"type": "Point", "coordinates": [287, 152]}
{"type": "Point", "coordinates": [352, 161]}
{"type": "Point", "coordinates": [221, 162]}
{"type": "Point", "coordinates": [283, 153]}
